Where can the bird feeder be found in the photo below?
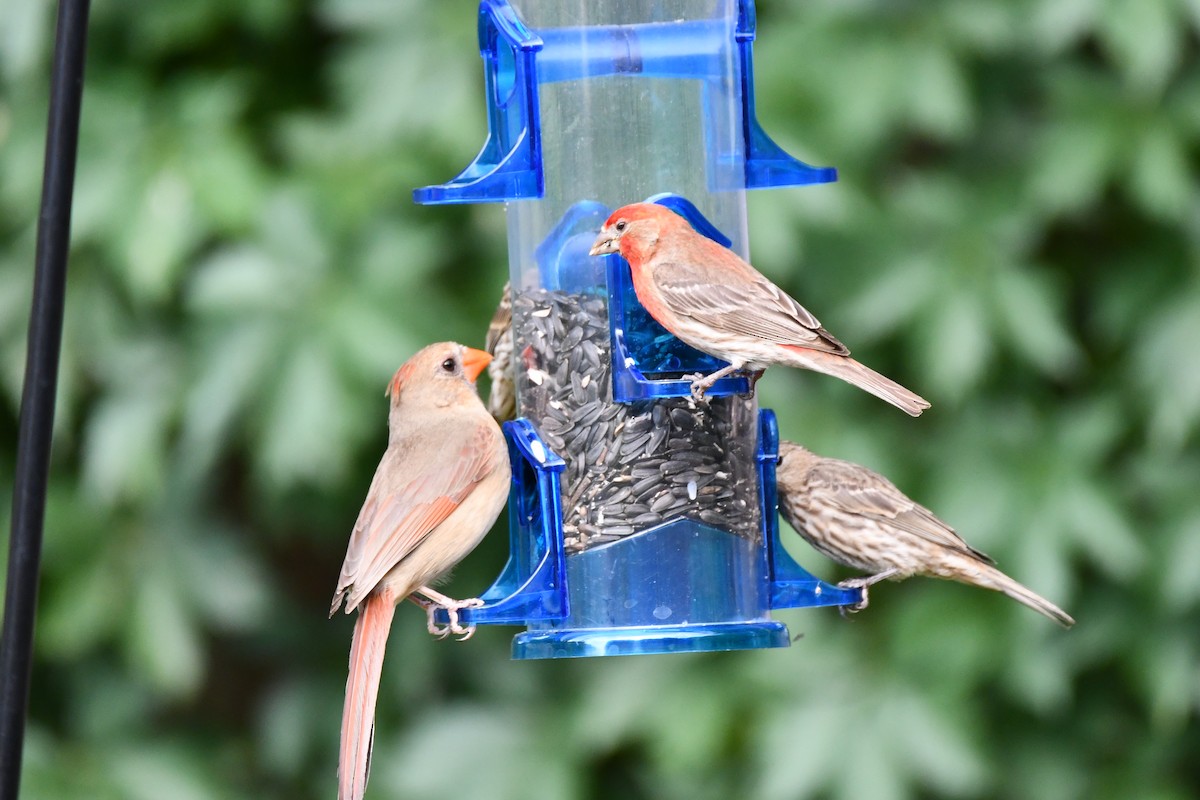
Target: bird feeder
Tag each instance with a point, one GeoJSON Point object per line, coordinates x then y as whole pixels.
{"type": "Point", "coordinates": [640, 520]}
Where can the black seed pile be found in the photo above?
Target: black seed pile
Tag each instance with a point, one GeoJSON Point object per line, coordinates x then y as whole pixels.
{"type": "Point", "coordinates": [629, 466]}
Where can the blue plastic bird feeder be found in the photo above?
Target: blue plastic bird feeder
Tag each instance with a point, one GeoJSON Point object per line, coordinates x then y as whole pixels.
{"type": "Point", "coordinates": [641, 521]}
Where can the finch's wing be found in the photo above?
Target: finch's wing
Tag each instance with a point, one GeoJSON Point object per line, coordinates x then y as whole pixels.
{"type": "Point", "coordinates": [399, 514]}
{"type": "Point", "coordinates": [501, 320]}
{"type": "Point", "coordinates": [857, 490]}
{"type": "Point", "coordinates": [733, 297]}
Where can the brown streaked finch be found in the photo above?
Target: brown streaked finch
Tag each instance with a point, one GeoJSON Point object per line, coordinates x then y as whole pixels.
{"type": "Point", "coordinates": [502, 397]}
{"type": "Point", "coordinates": [860, 519]}
{"type": "Point", "coordinates": [440, 485]}
{"type": "Point", "coordinates": [711, 299]}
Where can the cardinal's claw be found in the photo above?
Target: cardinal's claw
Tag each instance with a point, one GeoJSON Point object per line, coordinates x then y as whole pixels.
{"type": "Point", "coordinates": [431, 625]}
{"type": "Point", "coordinates": [463, 632]}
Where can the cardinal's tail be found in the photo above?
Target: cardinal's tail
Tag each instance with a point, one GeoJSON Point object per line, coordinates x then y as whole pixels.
{"type": "Point", "coordinates": [362, 689]}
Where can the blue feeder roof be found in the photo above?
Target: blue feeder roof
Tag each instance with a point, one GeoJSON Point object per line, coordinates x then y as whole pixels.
{"type": "Point", "coordinates": [517, 60]}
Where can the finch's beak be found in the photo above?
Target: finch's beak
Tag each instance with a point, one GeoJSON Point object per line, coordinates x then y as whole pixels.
{"type": "Point", "coordinates": [603, 245]}
{"type": "Point", "coordinates": [474, 361]}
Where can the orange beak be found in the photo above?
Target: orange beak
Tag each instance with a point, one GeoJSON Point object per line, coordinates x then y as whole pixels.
{"type": "Point", "coordinates": [474, 361]}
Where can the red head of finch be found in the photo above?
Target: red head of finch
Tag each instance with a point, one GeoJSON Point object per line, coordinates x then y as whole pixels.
{"type": "Point", "coordinates": [714, 301]}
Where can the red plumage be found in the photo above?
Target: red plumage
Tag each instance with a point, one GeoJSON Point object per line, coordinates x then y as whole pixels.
{"type": "Point", "coordinates": [714, 301]}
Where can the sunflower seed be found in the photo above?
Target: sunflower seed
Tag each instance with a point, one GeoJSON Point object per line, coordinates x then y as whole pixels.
{"type": "Point", "coordinates": [646, 483]}
{"type": "Point", "coordinates": [628, 466]}
{"type": "Point", "coordinates": [657, 437]}
{"type": "Point", "coordinates": [662, 502]}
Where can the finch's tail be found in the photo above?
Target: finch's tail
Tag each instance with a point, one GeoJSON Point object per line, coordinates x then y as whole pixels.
{"type": "Point", "coordinates": [992, 578]}
{"type": "Point", "coordinates": [863, 377]}
{"type": "Point", "coordinates": [362, 688]}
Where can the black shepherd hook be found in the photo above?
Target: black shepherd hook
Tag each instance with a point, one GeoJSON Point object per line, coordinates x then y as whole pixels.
{"type": "Point", "coordinates": [41, 381]}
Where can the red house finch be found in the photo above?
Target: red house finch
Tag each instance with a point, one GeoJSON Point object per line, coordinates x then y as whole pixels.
{"type": "Point", "coordinates": [860, 519]}
{"type": "Point", "coordinates": [502, 398]}
{"type": "Point", "coordinates": [439, 487]}
{"type": "Point", "coordinates": [714, 301]}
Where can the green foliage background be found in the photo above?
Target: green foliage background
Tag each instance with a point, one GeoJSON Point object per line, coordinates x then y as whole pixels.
{"type": "Point", "coordinates": [1016, 235]}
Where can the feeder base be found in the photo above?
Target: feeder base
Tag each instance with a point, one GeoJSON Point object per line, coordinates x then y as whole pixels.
{"type": "Point", "coordinates": [584, 642]}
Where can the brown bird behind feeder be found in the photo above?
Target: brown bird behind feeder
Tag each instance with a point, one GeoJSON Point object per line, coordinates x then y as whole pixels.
{"type": "Point", "coordinates": [860, 519]}
{"type": "Point", "coordinates": [502, 398]}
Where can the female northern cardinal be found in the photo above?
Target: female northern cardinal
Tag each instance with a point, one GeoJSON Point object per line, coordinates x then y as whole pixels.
{"type": "Point", "coordinates": [714, 301]}
{"type": "Point", "coordinates": [860, 519]}
{"type": "Point", "coordinates": [439, 487]}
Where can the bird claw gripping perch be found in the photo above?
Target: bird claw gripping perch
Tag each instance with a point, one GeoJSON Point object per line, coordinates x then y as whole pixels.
{"type": "Point", "coordinates": [863, 584]}
{"type": "Point", "coordinates": [463, 632]}
{"type": "Point", "coordinates": [701, 383]}
{"type": "Point", "coordinates": [432, 601]}
{"type": "Point", "coordinates": [699, 387]}
{"type": "Point", "coordinates": [861, 604]}
{"type": "Point", "coordinates": [451, 607]}
{"type": "Point", "coordinates": [440, 631]}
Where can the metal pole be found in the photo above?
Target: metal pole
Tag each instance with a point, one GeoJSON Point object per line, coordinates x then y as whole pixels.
{"type": "Point", "coordinates": [41, 381]}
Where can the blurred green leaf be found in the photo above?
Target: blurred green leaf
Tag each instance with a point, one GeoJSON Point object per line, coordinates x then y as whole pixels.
{"type": "Point", "coordinates": [304, 437]}
{"type": "Point", "coordinates": [162, 230]}
{"type": "Point", "coordinates": [83, 611]}
{"type": "Point", "coordinates": [156, 772]}
{"type": "Point", "coordinates": [894, 299]}
{"type": "Point", "coordinates": [938, 98]}
{"type": "Point", "coordinates": [1034, 324]}
{"type": "Point", "coordinates": [1180, 580]}
{"type": "Point", "coordinates": [1145, 39]}
{"type": "Point", "coordinates": [1075, 160]}
{"type": "Point", "coordinates": [226, 585]}
{"type": "Point", "coordinates": [23, 37]}
{"type": "Point", "coordinates": [936, 750]}
{"type": "Point", "coordinates": [1159, 174]}
{"type": "Point", "coordinates": [495, 742]}
{"type": "Point", "coordinates": [163, 641]}
{"type": "Point", "coordinates": [124, 448]}
{"type": "Point", "coordinates": [958, 344]}
{"type": "Point", "coordinates": [235, 280]}
{"type": "Point", "coordinates": [1167, 364]}
{"type": "Point", "coordinates": [1056, 26]}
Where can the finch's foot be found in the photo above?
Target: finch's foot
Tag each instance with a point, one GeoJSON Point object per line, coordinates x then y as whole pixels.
{"type": "Point", "coordinates": [700, 385]}
{"type": "Point", "coordinates": [862, 585]}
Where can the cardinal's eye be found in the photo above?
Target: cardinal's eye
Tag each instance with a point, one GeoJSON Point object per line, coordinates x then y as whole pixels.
{"type": "Point", "coordinates": [448, 365]}
{"type": "Point", "coordinates": [620, 226]}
